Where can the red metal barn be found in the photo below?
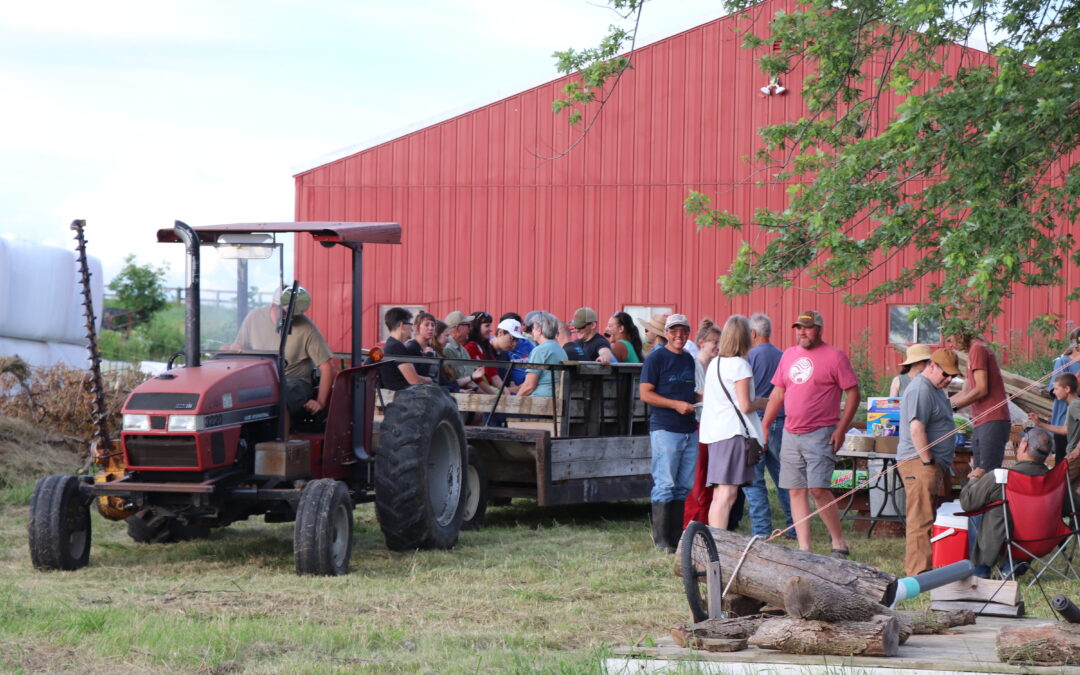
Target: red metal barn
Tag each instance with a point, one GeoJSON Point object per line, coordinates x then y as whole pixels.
{"type": "Point", "coordinates": [495, 217]}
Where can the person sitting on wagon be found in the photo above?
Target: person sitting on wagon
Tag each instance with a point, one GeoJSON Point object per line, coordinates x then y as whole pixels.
{"type": "Point", "coordinates": [399, 321]}
{"type": "Point", "coordinates": [545, 330]}
{"type": "Point", "coordinates": [305, 350]}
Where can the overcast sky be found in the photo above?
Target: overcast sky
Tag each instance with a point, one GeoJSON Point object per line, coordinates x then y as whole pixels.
{"type": "Point", "coordinates": [131, 114]}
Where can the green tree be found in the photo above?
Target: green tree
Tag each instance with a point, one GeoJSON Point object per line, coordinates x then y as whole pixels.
{"type": "Point", "coordinates": [139, 289]}
{"type": "Point", "coordinates": [975, 170]}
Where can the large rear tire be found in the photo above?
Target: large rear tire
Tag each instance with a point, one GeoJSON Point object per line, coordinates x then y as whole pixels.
{"type": "Point", "coordinates": [476, 491]}
{"type": "Point", "coordinates": [419, 470]}
{"type": "Point", "coordinates": [59, 528]}
{"type": "Point", "coordinates": [146, 528]}
{"type": "Point", "coordinates": [322, 536]}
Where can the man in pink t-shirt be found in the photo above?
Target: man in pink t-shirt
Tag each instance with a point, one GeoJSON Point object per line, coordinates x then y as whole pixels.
{"type": "Point", "coordinates": [807, 385]}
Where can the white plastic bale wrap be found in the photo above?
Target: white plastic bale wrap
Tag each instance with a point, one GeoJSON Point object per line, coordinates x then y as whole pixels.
{"type": "Point", "coordinates": [41, 310]}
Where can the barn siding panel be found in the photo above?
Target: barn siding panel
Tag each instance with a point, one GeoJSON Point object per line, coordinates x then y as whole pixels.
{"type": "Point", "coordinates": [495, 217]}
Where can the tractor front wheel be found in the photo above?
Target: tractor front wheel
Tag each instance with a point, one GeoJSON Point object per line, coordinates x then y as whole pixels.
{"type": "Point", "coordinates": [59, 526]}
{"type": "Point", "coordinates": [322, 536]}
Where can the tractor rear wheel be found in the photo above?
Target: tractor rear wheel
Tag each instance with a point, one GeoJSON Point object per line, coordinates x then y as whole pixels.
{"type": "Point", "coordinates": [476, 489]}
{"type": "Point", "coordinates": [322, 536]}
{"type": "Point", "coordinates": [419, 470]}
{"type": "Point", "coordinates": [59, 526]}
{"type": "Point", "coordinates": [146, 528]}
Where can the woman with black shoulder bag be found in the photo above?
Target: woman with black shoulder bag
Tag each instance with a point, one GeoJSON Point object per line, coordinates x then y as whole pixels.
{"type": "Point", "coordinates": [728, 423]}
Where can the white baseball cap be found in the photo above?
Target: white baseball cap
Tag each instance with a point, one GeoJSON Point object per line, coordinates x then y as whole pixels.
{"type": "Point", "coordinates": [512, 326]}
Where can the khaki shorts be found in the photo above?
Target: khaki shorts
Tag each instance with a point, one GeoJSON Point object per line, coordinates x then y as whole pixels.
{"type": "Point", "coordinates": [807, 460]}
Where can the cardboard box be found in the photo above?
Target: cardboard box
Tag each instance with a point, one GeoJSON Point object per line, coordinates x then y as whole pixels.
{"type": "Point", "coordinates": [886, 445]}
{"type": "Point", "coordinates": [843, 478]}
{"type": "Point", "coordinates": [289, 460]}
{"type": "Point", "coordinates": [883, 407]}
{"type": "Point", "coordinates": [859, 443]}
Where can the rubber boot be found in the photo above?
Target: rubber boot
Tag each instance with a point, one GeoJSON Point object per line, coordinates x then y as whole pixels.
{"type": "Point", "coordinates": [675, 522]}
{"type": "Point", "coordinates": [661, 526]}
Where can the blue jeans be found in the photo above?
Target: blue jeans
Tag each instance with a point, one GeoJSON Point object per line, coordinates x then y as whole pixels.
{"type": "Point", "coordinates": [674, 457]}
{"type": "Point", "coordinates": [757, 494]}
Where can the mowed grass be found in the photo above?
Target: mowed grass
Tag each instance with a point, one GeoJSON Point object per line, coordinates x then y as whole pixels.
{"type": "Point", "coordinates": [537, 590]}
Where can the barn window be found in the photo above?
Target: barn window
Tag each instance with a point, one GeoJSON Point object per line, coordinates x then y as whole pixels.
{"type": "Point", "coordinates": [383, 309]}
{"type": "Point", "coordinates": [904, 329]}
{"type": "Point", "coordinates": [643, 312]}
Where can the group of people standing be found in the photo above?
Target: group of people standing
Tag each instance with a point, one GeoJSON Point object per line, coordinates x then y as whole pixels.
{"type": "Point", "coordinates": [751, 395]}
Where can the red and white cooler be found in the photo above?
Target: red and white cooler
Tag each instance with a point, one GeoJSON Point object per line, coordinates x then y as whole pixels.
{"type": "Point", "coordinates": [950, 535]}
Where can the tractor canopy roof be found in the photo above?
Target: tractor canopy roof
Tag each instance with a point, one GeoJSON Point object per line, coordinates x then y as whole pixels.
{"type": "Point", "coordinates": [326, 232]}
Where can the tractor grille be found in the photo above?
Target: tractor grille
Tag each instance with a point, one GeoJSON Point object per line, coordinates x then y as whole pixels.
{"type": "Point", "coordinates": [162, 451]}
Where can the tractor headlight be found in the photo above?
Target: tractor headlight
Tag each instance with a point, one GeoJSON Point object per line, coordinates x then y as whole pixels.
{"type": "Point", "coordinates": [182, 422]}
{"type": "Point", "coordinates": [136, 422]}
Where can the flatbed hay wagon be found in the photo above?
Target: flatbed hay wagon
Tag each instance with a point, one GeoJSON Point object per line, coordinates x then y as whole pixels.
{"type": "Point", "coordinates": [587, 443]}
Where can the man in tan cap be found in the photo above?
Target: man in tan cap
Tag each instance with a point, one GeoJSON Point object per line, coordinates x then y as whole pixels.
{"type": "Point", "coordinates": [925, 452]}
{"type": "Point", "coordinates": [915, 360]}
{"type": "Point", "coordinates": [457, 325]}
{"type": "Point", "coordinates": [807, 385]}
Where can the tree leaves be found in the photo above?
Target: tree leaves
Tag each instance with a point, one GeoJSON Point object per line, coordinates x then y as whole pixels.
{"type": "Point", "coordinates": [973, 178]}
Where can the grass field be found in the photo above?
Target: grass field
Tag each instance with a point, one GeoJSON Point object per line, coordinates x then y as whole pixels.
{"type": "Point", "coordinates": [536, 590]}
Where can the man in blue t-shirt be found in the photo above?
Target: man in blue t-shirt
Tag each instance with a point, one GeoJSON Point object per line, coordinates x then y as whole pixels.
{"type": "Point", "coordinates": [667, 386]}
{"type": "Point", "coordinates": [764, 357]}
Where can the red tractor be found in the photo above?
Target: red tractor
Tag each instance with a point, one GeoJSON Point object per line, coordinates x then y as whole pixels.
{"type": "Point", "coordinates": [204, 444]}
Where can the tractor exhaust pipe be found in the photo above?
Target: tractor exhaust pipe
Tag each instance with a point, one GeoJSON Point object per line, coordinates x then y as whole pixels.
{"type": "Point", "coordinates": [191, 316]}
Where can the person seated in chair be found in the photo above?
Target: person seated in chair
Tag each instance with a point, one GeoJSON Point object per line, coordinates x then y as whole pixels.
{"type": "Point", "coordinates": [983, 489]}
{"type": "Point", "coordinates": [305, 350]}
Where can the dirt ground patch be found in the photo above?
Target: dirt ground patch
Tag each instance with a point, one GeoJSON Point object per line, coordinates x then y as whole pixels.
{"type": "Point", "coordinates": [28, 452]}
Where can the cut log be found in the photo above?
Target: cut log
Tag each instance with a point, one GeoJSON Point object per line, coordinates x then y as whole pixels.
{"type": "Point", "coordinates": [768, 566]}
{"type": "Point", "coordinates": [725, 629]}
{"type": "Point", "coordinates": [980, 608]}
{"type": "Point", "coordinates": [741, 605]}
{"type": "Point", "coordinates": [879, 636]}
{"type": "Point", "coordinates": [975, 588]}
{"type": "Point", "coordinates": [806, 598]}
{"type": "Point", "coordinates": [935, 623]}
{"type": "Point", "coordinates": [1048, 644]}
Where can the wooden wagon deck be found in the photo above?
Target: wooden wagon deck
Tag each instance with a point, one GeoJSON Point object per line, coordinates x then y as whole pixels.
{"type": "Point", "coordinates": [968, 649]}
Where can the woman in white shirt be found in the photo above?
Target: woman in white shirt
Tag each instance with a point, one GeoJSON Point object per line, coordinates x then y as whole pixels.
{"type": "Point", "coordinates": [722, 424]}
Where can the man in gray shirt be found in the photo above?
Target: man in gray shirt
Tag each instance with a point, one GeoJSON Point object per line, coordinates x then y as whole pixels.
{"type": "Point", "coordinates": [924, 453]}
{"type": "Point", "coordinates": [457, 324]}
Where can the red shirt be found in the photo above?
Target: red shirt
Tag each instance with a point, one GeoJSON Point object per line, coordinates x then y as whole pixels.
{"type": "Point", "coordinates": [477, 354]}
{"type": "Point", "coordinates": [981, 358]}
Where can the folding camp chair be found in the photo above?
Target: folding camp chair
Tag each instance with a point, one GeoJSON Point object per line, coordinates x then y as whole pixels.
{"type": "Point", "coordinates": [1034, 522]}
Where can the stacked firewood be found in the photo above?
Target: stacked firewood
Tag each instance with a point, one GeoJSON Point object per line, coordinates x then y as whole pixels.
{"type": "Point", "coordinates": [832, 606]}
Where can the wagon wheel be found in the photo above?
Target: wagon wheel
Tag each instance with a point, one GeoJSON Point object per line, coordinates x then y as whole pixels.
{"type": "Point", "coordinates": [698, 549]}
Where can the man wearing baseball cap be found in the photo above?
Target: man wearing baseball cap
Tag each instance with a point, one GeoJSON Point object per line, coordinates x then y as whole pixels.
{"type": "Point", "coordinates": [595, 345]}
{"type": "Point", "coordinates": [667, 387]}
{"type": "Point", "coordinates": [457, 325]}
{"type": "Point", "coordinates": [807, 385]}
{"type": "Point", "coordinates": [925, 453]}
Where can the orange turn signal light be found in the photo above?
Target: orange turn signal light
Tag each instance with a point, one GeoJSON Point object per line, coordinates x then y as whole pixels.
{"type": "Point", "coordinates": [375, 354]}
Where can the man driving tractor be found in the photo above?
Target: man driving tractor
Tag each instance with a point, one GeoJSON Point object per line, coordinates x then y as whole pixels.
{"type": "Point", "coordinates": [305, 350]}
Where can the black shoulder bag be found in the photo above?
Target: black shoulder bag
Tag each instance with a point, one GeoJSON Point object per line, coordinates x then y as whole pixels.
{"type": "Point", "coordinates": [753, 447]}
